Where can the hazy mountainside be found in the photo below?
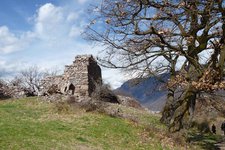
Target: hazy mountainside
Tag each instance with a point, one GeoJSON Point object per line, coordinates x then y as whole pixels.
{"type": "Point", "coordinates": [150, 92]}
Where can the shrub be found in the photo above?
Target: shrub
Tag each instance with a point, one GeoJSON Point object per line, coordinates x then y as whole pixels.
{"type": "Point", "coordinates": [103, 93]}
{"type": "Point", "coordinates": [202, 126]}
{"type": "Point", "coordinates": [62, 106]}
{"type": "Point", "coordinates": [5, 91]}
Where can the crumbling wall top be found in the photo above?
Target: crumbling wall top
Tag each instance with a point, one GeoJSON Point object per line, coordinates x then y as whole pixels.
{"type": "Point", "coordinates": [84, 59]}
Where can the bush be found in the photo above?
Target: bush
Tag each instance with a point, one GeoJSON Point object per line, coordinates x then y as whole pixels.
{"type": "Point", "coordinates": [62, 106]}
{"type": "Point", "coordinates": [53, 89]}
{"type": "Point", "coordinates": [103, 93]}
{"type": "Point", "coordinates": [5, 92]}
{"type": "Point", "coordinates": [70, 104]}
{"type": "Point", "coordinates": [202, 126]}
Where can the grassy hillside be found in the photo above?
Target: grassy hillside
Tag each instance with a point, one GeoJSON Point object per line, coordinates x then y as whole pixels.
{"type": "Point", "coordinates": [34, 124]}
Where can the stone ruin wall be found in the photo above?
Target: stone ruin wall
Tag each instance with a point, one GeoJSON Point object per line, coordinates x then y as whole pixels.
{"type": "Point", "coordinates": [95, 75]}
{"type": "Point", "coordinates": [84, 73]}
{"type": "Point", "coordinates": [79, 79]}
{"type": "Point", "coordinates": [48, 82]}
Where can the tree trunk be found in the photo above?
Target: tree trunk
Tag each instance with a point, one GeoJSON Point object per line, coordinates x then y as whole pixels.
{"type": "Point", "coordinates": [184, 110]}
{"type": "Point", "coordinates": [221, 61]}
{"type": "Point", "coordinates": [168, 109]}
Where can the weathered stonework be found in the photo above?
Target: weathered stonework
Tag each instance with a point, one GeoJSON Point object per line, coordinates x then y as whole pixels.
{"type": "Point", "coordinates": [79, 79]}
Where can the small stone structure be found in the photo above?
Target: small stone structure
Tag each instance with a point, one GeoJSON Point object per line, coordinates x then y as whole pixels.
{"type": "Point", "coordinates": [79, 79]}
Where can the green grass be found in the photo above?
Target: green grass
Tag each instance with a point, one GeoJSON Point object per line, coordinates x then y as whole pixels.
{"type": "Point", "coordinates": [30, 123]}
{"type": "Point", "coordinates": [33, 124]}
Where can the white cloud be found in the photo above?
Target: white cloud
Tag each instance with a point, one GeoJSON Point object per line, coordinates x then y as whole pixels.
{"type": "Point", "coordinates": [82, 1]}
{"type": "Point", "coordinates": [10, 68]}
{"type": "Point", "coordinates": [52, 26]}
{"type": "Point", "coordinates": [50, 22]}
{"type": "Point", "coordinates": [72, 17]}
{"type": "Point", "coordinates": [54, 40]}
{"type": "Point", "coordinates": [8, 41]}
{"type": "Point", "coordinates": [48, 11]}
{"type": "Point", "coordinates": [55, 23]}
{"type": "Point", "coordinates": [2, 63]}
{"type": "Point", "coordinates": [75, 32]}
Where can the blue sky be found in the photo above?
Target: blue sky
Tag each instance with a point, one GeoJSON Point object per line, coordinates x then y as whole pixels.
{"type": "Point", "coordinates": [45, 33]}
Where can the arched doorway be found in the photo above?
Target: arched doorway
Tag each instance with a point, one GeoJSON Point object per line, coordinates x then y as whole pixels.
{"type": "Point", "coordinates": [71, 89]}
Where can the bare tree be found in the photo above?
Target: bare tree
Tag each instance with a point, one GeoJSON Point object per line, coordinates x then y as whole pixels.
{"type": "Point", "coordinates": [51, 72]}
{"type": "Point", "coordinates": [4, 89]}
{"type": "Point", "coordinates": [149, 37]}
{"type": "Point", "coordinates": [31, 77]}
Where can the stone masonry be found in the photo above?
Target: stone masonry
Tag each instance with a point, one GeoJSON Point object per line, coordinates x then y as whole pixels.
{"type": "Point", "coordinates": [79, 79]}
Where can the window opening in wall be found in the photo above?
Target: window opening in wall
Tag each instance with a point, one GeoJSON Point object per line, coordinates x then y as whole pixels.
{"type": "Point", "coordinates": [72, 89]}
{"type": "Point", "coordinates": [65, 89]}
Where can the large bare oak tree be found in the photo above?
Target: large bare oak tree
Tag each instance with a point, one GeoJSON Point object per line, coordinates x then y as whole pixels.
{"type": "Point", "coordinates": [185, 38]}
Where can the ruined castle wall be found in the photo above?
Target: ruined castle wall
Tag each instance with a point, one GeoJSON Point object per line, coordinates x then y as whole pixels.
{"type": "Point", "coordinates": [94, 75]}
{"type": "Point", "coordinates": [83, 74]}
{"type": "Point", "coordinates": [48, 82]}
{"type": "Point", "coordinates": [80, 78]}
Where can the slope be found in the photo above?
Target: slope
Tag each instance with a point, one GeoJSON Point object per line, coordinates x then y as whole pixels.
{"type": "Point", "coordinates": [35, 124]}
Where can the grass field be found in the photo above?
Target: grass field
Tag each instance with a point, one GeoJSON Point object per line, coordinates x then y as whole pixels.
{"type": "Point", "coordinates": [27, 124]}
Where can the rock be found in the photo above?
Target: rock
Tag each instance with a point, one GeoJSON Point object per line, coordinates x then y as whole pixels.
{"type": "Point", "coordinates": [129, 102]}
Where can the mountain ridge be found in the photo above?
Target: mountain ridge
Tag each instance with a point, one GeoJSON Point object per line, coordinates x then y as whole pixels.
{"type": "Point", "coordinates": [150, 92]}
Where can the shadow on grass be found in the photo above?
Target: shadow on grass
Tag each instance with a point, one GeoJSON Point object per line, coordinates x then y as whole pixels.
{"type": "Point", "coordinates": [205, 141]}
{"type": "Point", "coordinates": [2, 98]}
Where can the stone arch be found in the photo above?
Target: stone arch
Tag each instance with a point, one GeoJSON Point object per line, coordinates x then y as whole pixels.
{"type": "Point", "coordinates": [71, 89]}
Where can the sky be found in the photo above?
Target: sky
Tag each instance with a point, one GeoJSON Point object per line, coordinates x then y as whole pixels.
{"type": "Point", "coordinates": [46, 33]}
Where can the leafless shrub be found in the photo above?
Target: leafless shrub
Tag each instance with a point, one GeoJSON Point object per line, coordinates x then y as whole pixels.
{"type": "Point", "coordinates": [53, 89]}
{"type": "Point", "coordinates": [31, 79]}
{"type": "Point", "coordinates": [71, 99]}
{"type": "Point", "coordinates": [202, 126]}
{"type": "Point", "coordinates": [4, 90]}
{"type": "Point", "coordinates": [71, 104]}
{"type": "Point", "coordinates": [62, 106]}
{"type": "Point", "coordinates": [103, 93]}
{"type": "Point", "coordinates": [93, 106]}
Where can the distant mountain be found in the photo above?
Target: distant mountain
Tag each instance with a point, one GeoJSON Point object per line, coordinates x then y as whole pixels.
{"type": "Point", "coordinates": [150, 92]}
